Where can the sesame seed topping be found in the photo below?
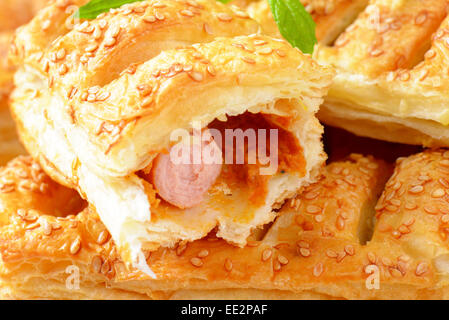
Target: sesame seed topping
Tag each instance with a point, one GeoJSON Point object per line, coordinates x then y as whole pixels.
{"type": "Point", "coordinates": [103, 237]}
{"type": "Point", "coordinates": [109, 42]}
{"type": "Point", "coordinates": [266, 254]}
{"type": "Point", "coordinates": [421, 269]}
{"type": "Point", "coordinates": [281, 53]}
{"type": "Point", "coordinates": [159, 16]}
{"type": "Point", "coordinates": [211, 70]}
{"type": "Point", "coordinates": [197, 76]}
{"type": "Point", "coordinates": [416, 189]}
{"type": "Point", "coordinates": [349, 249]}
{"type": "Point", "coordinates": [249, 60]}
{"type": "Point", "coordinates": [282, 260]}
{"type": "Point", "coordinates": [304, 252]}
{"type": "Point", "coordinates": [421, 18]}
{"type": "Point", "coordinates": [438, 193]}
{"type": "Point", "coordinates": [203, 253]}
{"type": "Point", "coordinates": [318, 269]}
{"type": "Point", "coordinates": [196, 262]}
{"type": "Point", "coordinates": [313, 209]}
{"type": "Point", "coordinates": [149, 19]}
{"type": "Point", "coordinates": [207, 29]}
{"type": "Point", "coordinates": [186, 13]}
{"type": "Point", "coordinates": [75, 246]}
{"type": "Point", "coordinates": [265, 51]}
{"type": "Point", "coordinates": [224, 17]}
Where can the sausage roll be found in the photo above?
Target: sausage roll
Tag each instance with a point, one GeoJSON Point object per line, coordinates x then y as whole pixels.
{"type": "Point", "coordinates": [99, 106]}
{"type": "Point", "coordinates": [328, 243]}
{"type": "Point", "coordinates": [392, 73]}
{"type": "Point", "coordinates": [12, 14]}
{"type": "Point", "coordinates": [331, 16]}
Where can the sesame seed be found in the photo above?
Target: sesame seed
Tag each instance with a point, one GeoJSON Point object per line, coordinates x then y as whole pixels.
{"type": "Point", "coordinates": [318, 269]}
{"type": "Point", "coordinates": [438, 193]}
{"type": "Point", "coordinates": [303, 244]}
{"type": "Point", "coordinates": [313, 209]}
{"type": "Point", "coordinates": [430, 210]}
{"type": "Point", "coordinates": [196, 262]}
{"type": "Point", "coordinates": [197, 76]}
{"type": "Point", "coordinates": [207, 29]}
{"type": "Point", "coordinates": [421, 18]}
{"type": "Point", "coordinates": [266, 254]}
{"type": "Point", "coordinates": [228, 264]}
{"type": "Point", "coordinates": [265, 51]}
{"type": "Point", "coordinates": [304, 252]}
{"type": "Point", "coordinates": [91, 47]}
{"type": "Point", "coordinates": [75, 246]}
{"type": "Point", "coordinates": [186, 13]}
{"type": "Point", "coordinates": [374, 52]}
{"type": "Point", "coordinates": [114, 31]}
{"type": "Point", "coordinates": [282, 260]}
{"type": "Point", "coordinates": [103, 237]}
{"type": "Point", "coordinates": [421, 269]}
{"type": "Point", "coordinates": [159, 16]}
{"type": "Point", "coordinates": [280, 53]}
{"type": "Point", "coordinates": [224, 17]}
{"type": "Point", "coordinates": [249, 60]}
{"type": "Point", "coordinates": [409, 221]}
{"type": "Point", "coordinates": [349, 249]}
{"type": "Point", "coordinates": [259, 42]}
{"type": "Point", "coordinates": [203, 253]}
{"type": "Point", "coordinates": [109, 42]}
{"type": "Point", "coordinates": [211, 70]}
{"type": "Point", "coordinates": [331, 253]}
{"type": "Point", "coordinates": [149, 19]}
{"type": "Point", "coordinates": [395, 272]}
{"type": "Point", "coordinates": [416, 189]}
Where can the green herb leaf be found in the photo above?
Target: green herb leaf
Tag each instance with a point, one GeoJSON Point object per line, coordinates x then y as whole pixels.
{"type": "Point", "coordinates": [295, 24]}
{"type": "Point", "coordinates": [94, 8]}
{"type": "Point", "coordinates": [225, 1]}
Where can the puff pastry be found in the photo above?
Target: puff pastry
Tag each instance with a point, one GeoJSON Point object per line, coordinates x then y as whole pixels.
{"type": "Point", "coordinates": [392, 73]}
{"type": "Point", "coordinates": [331, 16]}
{"type": "Point", "coordinates": [97, 107]}
{"type": "Point", "coordinates": [323, 246]}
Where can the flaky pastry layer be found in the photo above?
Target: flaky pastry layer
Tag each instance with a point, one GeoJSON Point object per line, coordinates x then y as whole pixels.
{"type": "Point", "coordinates": [324, 245]}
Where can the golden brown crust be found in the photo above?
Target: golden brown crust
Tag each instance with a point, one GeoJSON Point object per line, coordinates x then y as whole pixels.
{"type": "Point", "coordinates": [331, 17]}
{"type": "Point", "coordinates": [391, 73]}
{"type": "Point", "coordinates": [326, 258]}
{"type": "Point", "coordinates": [96, 104]}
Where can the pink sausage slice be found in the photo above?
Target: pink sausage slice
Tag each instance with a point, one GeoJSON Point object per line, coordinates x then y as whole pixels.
{"type": "Point", "coordinates": [185, 184]}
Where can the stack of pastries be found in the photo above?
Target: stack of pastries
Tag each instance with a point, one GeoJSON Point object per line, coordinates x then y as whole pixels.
{"type": "Point", "coordinates": [98, 211]}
